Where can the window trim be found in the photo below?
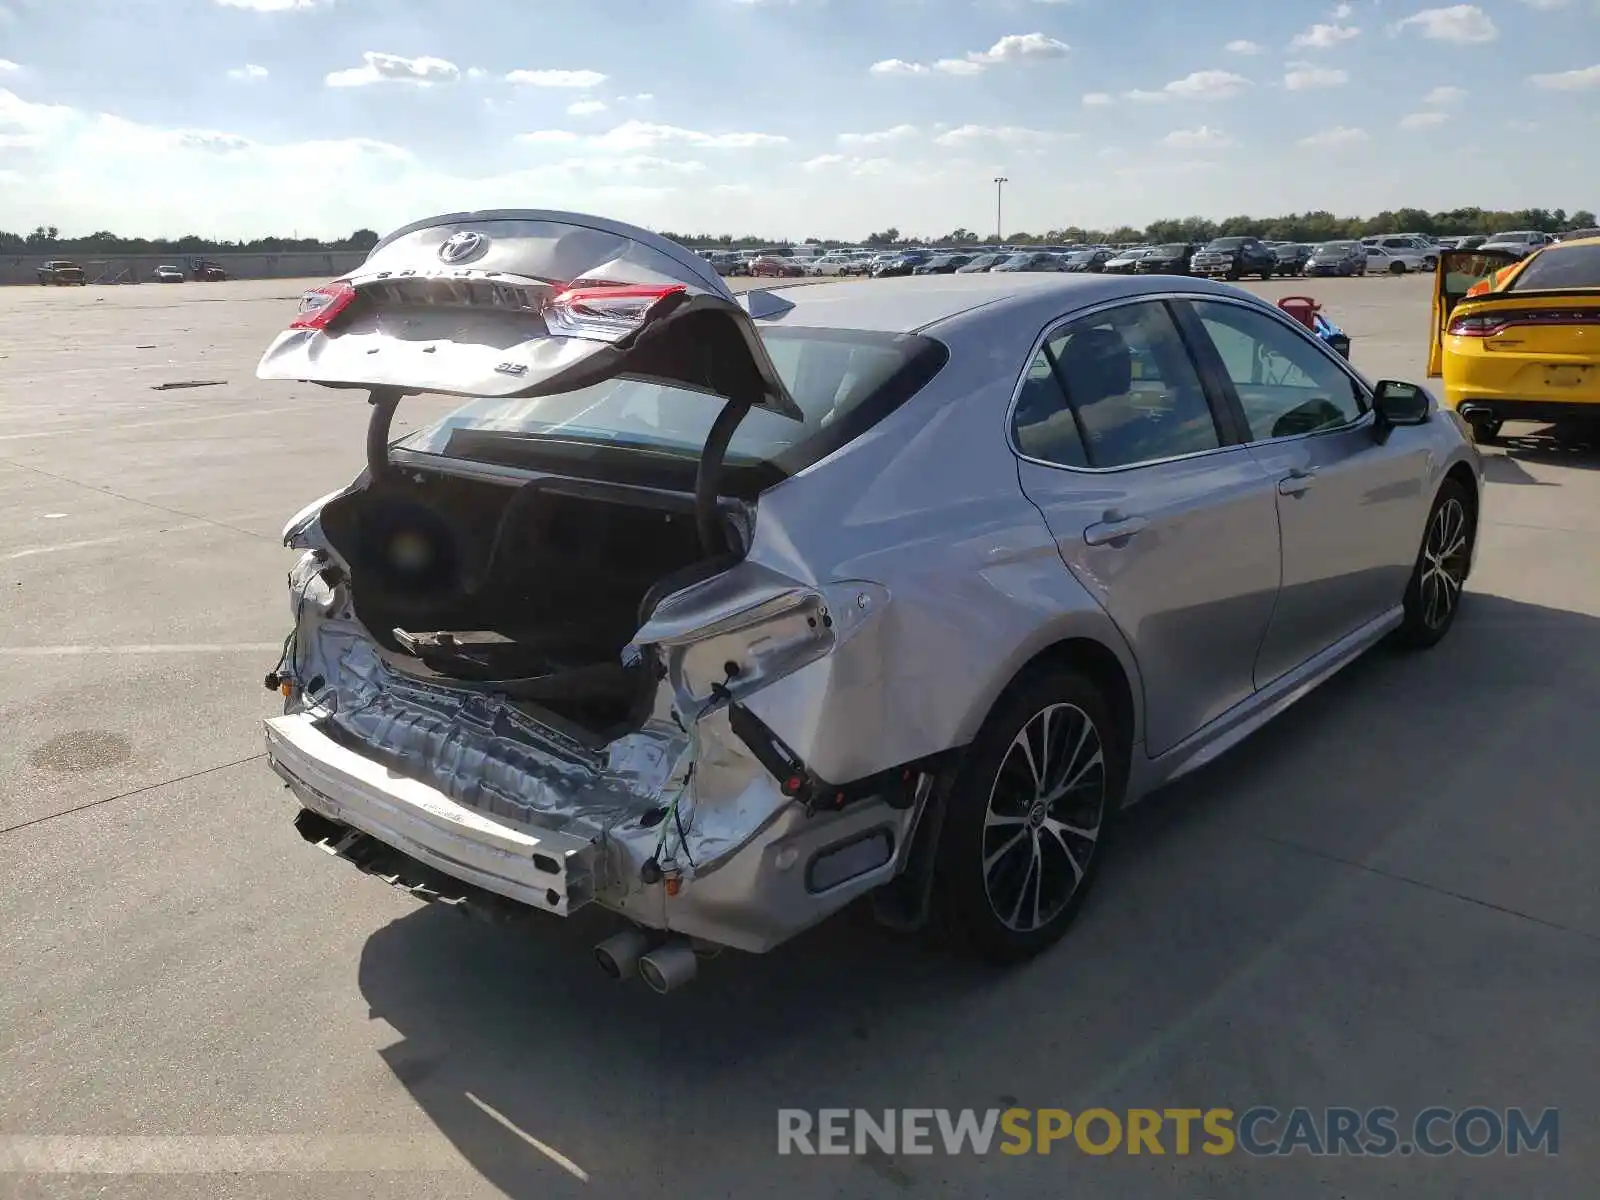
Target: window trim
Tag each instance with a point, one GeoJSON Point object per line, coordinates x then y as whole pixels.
{"type": "Point", "coordinates": [1208, 350]}
{"type": "Point", "coordinates": [1222, 415]}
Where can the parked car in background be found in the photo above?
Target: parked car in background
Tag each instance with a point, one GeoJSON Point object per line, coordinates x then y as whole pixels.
{"type": "Point", "coordinates": [770, 266]}
{"type": "Point", "coordinates": [61, 272]}
{"type": "Point", "coordinates": [1513, 337]}
{"type": "Point", "coordinates": [1292, 257]}
{"type": "Point", "coordinates": [1573, 235]}
{"type": "Point", "coordinates": [1234, 258]}
{"type": "Point", "coordinates": [1399, 261]}
{"type": "Point", "coordinates": [901, 264]}
{"type": "Point", "coordinates": [1518, 242]}
{"type": "Point", "coordinates": [943, 264]}
{"type": "Point", "coordinates": [206, 271]}
{"type": "Point", "coordinates": [1173, 258]}
{"type": "Point", "coordinates": [1124, 261]}
{"type": "Point", "coordinates": [1031, 260]}
{"type": "Point", "coordinates": [1337, 258]}
{"type": "Point", "coordinates": [1093, 260]}
{"type": "Point", "coordinates": [984, 262]}
{"type": "Point", "coordinates": [167, 273]}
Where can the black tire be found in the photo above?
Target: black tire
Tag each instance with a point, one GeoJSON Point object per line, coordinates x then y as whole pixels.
{"type": "Point", "coordinates": [1266, 276]}
{"type": "Point", "coordinates": [1433, 597]}
{"type": "Point", "coordinates": [1485, 430]}
{"type": "Point", "coordinates": [1056, 847]}
{"type": "Point", "coordinates": [1397, 268]}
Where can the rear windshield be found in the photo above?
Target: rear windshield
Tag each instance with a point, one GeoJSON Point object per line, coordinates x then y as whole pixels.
{"type": "Point", "coordinates": [1336, 247]}
{"type": "Point", "coordinates": [1560, 267]}
{"type": "Point", "coordinates": [1227, 244]}
{"type": "Point", "coordinates": [1173, 248]}
{"type": "Point", "coordinates": [845, 381]}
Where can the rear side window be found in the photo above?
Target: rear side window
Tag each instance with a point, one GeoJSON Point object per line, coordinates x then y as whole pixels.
{"type": "Point", "coordinates": [1115, 389]}
{"type": "Point", "coordinates": [1560, 267]}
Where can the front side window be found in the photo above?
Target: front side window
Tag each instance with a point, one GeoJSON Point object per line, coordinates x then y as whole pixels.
{"type": "Point", "coordinates": [1286, 385]}
{"type": "Point", "coordinates": [1114, 390]}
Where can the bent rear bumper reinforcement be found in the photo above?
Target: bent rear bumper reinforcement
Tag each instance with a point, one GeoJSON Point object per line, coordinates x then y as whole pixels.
{"type": "Point", "coordinates": [545, 869]}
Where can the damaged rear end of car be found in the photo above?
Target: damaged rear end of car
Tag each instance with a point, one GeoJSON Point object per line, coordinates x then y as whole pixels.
{"type": "Point", "coordinates": [533, 643]}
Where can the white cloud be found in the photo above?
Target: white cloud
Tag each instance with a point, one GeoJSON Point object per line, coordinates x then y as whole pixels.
{"type": "Point", "coordinates": [1445, 94]}
{"type": "Point", "coordinates": [248, 71]}
{"type": "Point", "coordinates": [1007, 135]}
{"type": "Point", "coordinates": [1201, 138]}
{"type": "Point", "coordinates": [846, 164]}
{"type": "Point", "coordinates": [1097, 99]}
{"type": "Point", "coordinates": [1011, 49]}
{"type": "Point", "coordinates": [898, 66]}
{"type": "Point", "coordinates": [394, 68]}
{"type": "Point", "coordinates": [643, 135]}
{"type": "Point", "coordinates": [7, 65]}
{"type": "Point", "coordinates": [958, 66]}
{"type": "Point", "coordinates": [1423, 120]}
{"type": "Point", "coordinates": [556, 79]}
{"type": "Point", "coordinates": [1199, 85]}
{"type": "Point", "coordinates": [822, 162]}
{"type": "Point", "coordinates": [1324, 37]}
{"type": "Point", "coordinates": [272, 5]}
{"type": "Point", "coordinates": [477, 73]}
{"type": "Point", "coordinates": [1339, 135]}
{"type": "Point", "coordinates": [1460, 23]}
{"type": "Point", "coordinates": [1546, 5]}
{"type": "Point", "coordinates": [1579, 80]}
{"type": "Point", "coordinates": [1304, 78]}
{"type": "Point", "coordinates": [585, 108]}
{"type": "Point", "coordinates": [1342, 11]}
{"type": "Point", "coordinates": [1245, 46]}
{"type": "Point", "coordinates": [897, 133]}
{"type": "Point", "coordinates": [1021, 47]}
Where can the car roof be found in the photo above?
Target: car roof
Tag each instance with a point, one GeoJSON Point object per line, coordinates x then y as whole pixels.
{"type": "Point", "coordinates": [918, 305]}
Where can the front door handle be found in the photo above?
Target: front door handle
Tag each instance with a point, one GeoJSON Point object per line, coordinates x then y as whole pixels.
{"type": "Point", "coordinates": [1112, 528]}
{"type": "Point", "coordinates": [1296, 481]}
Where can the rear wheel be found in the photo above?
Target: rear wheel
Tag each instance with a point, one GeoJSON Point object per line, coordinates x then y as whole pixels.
{"type": "Point", "coordinates": [1434, 594]}
{"type": "Point", "coordinates": [1028, 810]}
{"type": "Point", "coordinates": [1397, 268]}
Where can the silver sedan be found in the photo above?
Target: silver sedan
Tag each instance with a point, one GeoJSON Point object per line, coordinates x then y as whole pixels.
{"type": "Point", "coordinates": [720, 613]}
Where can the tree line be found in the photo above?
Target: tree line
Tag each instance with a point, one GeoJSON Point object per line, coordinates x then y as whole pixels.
{"type": "Point", "coordinates": [1318, 226]}
{"type": "Point", "coordinates": [47, 239]}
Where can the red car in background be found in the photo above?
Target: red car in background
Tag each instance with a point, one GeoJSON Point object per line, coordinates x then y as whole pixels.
{"type": "Point", "coordinates": [773, 265]}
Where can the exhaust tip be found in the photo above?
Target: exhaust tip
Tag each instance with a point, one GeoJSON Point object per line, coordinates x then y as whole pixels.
{"type": "Point", "coordinates": [669, 967]}
{"type": "Point", "coordinates": [619, 955]}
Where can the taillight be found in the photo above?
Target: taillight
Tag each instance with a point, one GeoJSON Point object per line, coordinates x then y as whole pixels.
{"type": "Point", "coordinates": [320, 307]}
{"type": "Point", "coordinates": [605, 312]}
{"type": "Point", "coordinates": [1491, 323]}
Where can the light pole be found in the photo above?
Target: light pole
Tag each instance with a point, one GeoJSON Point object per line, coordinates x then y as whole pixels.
{"type": "Point", "coordinates": [1000, 182]}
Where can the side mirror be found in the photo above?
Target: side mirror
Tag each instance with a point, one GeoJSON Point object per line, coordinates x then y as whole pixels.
{"type": "Point", "coordinates": [1397, 403]}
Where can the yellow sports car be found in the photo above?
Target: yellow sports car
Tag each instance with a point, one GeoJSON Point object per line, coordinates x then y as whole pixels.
{"type": "Point", "coordinates": [1519, 340]}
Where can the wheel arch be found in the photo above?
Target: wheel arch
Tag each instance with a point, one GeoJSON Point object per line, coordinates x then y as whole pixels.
{"type": "Point", "coordinates": [1111, 670]}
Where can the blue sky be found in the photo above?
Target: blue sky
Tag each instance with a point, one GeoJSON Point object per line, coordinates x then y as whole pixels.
{"type": "Point", "coordinates": [785, 117]}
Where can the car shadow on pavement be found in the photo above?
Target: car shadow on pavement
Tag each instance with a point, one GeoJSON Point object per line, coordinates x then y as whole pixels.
{"type": "Point", "coordinates": [1575, 449]}
{"type": "Point", "coordinates": [542, 1071]}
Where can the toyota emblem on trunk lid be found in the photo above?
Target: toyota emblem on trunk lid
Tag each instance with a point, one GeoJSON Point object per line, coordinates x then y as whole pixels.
{"type": "Point", "coordinates": [459, 247]}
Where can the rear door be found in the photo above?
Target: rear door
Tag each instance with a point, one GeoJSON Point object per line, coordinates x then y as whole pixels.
{"type": "Point", "coordinates": [1171, 528]}
{"type": "Point", "coordinates": [525, 302]}
{"type": "Point", "coordinates": [1459, 272]}
{"type": "Point", "coordinates": [1350, 510]}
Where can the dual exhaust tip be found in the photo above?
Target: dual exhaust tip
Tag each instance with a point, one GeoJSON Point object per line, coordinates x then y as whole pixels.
{"type": "Point", "coordinates": [665, 968]}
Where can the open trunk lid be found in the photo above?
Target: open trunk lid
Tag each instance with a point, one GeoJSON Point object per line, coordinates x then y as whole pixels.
{"type": "Point", "coordinates": [527, 302]}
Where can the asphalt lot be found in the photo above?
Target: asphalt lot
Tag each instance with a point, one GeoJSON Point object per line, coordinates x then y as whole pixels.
{"type": "Point", "coordinates": [1389, 897]}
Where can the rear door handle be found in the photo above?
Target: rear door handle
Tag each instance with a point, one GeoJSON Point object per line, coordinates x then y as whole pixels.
{"type": "Point", "coordinates": [1113, 528]}
{"type": "Point", "coordinates": [1296, 481]}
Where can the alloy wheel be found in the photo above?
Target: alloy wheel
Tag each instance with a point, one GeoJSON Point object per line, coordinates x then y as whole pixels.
{"type": "Point", "coordinates": [1445, 554]}
{"type": "Point", "coordinates": [1043, 821]}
